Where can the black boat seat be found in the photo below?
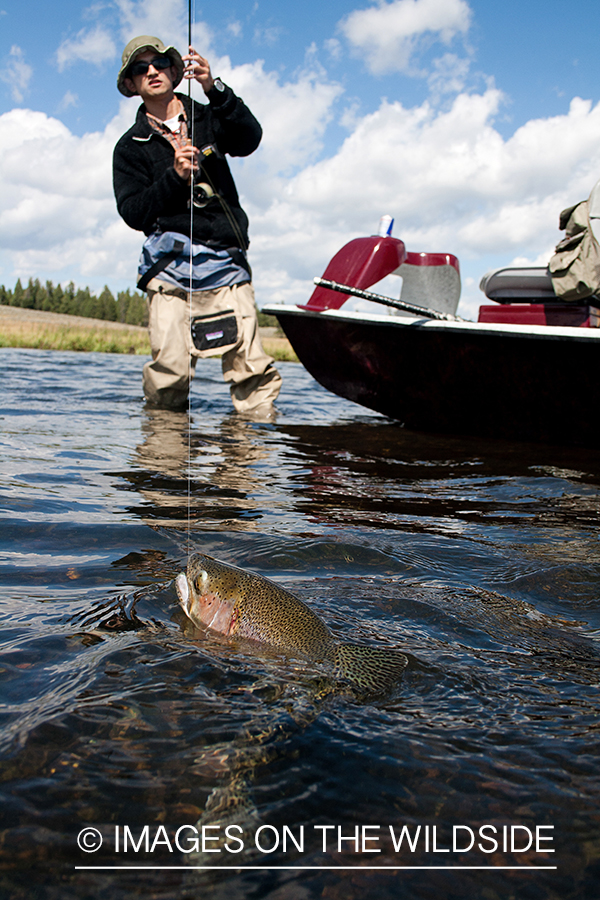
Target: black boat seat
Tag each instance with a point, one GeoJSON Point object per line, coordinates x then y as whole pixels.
{"type": "Point", "coordinates": [527, 285]}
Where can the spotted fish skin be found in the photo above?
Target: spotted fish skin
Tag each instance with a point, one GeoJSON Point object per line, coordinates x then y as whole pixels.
{"type": "Point", "coordinates": [239, 603]}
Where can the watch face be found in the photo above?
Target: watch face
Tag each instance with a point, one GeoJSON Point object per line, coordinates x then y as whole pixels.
{"type": "Point", "coordinates": [219, 84]}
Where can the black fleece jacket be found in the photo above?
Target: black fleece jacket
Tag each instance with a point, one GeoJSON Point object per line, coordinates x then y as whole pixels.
{"type": "Point", "coordinates": [151, 196]}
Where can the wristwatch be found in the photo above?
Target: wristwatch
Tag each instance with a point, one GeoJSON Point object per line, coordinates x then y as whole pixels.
{"type": "Point", "coordinates": [218, 84]}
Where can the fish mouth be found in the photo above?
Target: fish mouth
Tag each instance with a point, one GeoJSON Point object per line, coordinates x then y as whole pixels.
{"type": "Point", "coordinates": [183, 591]}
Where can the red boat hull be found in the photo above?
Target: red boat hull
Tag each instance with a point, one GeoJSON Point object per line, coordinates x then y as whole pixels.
{"type": "Point", "coordinates": [536, 384]}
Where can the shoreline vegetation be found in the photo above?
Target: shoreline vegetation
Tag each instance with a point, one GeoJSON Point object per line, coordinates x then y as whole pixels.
{"type": "Point", "coordinates": [50, 318]}
{"type": "Point", "coordinates": [128, 307]}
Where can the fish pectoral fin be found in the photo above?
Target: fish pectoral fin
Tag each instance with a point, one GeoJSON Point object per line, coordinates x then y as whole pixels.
{"type": "Point", "coordinates": [370, 668]}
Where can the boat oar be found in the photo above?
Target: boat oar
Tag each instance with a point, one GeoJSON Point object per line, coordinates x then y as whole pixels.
{"type": "Point", "coordinates": [386, 301]}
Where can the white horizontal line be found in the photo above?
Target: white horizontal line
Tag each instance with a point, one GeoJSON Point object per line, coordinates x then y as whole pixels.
{"type": "Point", "coordinates": [317, 868]}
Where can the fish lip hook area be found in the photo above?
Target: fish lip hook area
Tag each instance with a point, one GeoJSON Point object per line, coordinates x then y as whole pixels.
{"type": "Point", "coordinates": [182, 587]}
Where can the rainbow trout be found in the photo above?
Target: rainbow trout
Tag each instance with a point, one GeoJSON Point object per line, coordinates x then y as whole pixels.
{"type": "Point", "coordinates": [238, 603]}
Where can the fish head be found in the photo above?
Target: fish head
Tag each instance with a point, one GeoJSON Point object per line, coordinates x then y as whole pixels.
{"type": "Point", "coordinates": [206, 595]}
{"type": "Point", "coordinates": [235, 602]}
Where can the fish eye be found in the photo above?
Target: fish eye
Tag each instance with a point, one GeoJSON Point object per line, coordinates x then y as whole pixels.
{"type": "Point", "coordinates": [201, 579]}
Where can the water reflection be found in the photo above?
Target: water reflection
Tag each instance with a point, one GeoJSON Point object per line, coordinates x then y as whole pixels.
{"type": "Point", "coordinates": [385, 475]}
{"type": "Point", "coordinates": [185, 475]}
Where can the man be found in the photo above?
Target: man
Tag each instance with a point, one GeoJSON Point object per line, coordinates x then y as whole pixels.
{"type": "Point", "coordinates": [172, 182]}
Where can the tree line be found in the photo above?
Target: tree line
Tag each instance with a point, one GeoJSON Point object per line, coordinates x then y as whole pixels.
{"type": "Point", "coordinates": [129, 307]}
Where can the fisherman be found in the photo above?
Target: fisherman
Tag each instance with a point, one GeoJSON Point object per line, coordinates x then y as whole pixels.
{"type": "Point", "coordinates": [172, 182]}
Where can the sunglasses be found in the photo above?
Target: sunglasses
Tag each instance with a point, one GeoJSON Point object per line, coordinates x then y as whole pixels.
{"type": "Point", "coordinates": [141, 68]}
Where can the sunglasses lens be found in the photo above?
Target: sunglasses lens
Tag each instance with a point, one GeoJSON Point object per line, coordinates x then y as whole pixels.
{"type": "Point", "coordinates": [141, 68]}
{"type": "Point", "coordinates": [162, 62]}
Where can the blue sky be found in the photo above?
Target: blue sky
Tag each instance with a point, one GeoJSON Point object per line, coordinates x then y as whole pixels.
{"type": "Point", "coordinates": [454, 116]}
{"type": "Point", "coordinates": [537, 53]}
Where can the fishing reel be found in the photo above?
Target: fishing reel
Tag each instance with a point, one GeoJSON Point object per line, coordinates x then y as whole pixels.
{"type": "Point", "coordinates": [202, 194]}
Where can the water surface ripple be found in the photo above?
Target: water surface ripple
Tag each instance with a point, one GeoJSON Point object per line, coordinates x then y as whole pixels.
{"type": "Point", "coordinates": [478, 559]}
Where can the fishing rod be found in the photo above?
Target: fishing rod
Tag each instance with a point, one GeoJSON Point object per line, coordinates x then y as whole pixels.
{"type": "Point", "coordinates": [190, 369]}
{"type": "Point", "coordinates": [207, 191]}
{"type": "Point", "coordinates": [386, 301]}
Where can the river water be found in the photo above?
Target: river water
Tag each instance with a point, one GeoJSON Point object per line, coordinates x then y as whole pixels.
{"type": "Point", "coordinates": [478, 559]}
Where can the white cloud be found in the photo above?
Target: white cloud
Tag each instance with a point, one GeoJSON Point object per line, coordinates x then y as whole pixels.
{"type": "Point", "coordinates": [166, 19]}
{"type": "Point", "coordinates": [235, 29]}
{"type": "Point", "coordinates": [16, 73]}
{"type": "Point", "coordinates": [449, 75]}
{"type": "Point", "coordinates": [334, 48]}
{"type": "Point", "coordinates": [69, 99]}
{"type": "Point", "coordinates": [267, 35]}
{"type": "Point", "coordinates": [450, 179]}
{"type": "Point", "coordinates": [388, 35]}
{"type": "Point", "coordinates": [95, 46]}
{"type": "Point", "coordinates": [293, 114]}
{"type": "Point", "coordinates": [60, 216]}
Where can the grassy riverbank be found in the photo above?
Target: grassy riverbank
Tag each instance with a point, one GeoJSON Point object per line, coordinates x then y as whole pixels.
{"type": "Point", "coordinates": [38, 330]}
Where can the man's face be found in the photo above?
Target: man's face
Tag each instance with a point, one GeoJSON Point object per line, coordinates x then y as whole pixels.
{"type": "Point", "coordinates": [156, 83]}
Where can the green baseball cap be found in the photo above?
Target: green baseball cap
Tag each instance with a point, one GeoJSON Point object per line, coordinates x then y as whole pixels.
{"type": "Point", "coordinates": [138, 45]}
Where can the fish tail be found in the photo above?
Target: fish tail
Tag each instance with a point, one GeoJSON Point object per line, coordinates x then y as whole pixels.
{"type": "Point", "coordinates": [231, 803]}
{"type": "Point", "coordinates": [369, 668]}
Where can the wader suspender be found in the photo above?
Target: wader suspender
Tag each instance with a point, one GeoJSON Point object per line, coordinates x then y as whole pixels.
{"type": "Point", "coordinates": [159, 265]}
{"type": "Point", "coordinates": [240, 259]}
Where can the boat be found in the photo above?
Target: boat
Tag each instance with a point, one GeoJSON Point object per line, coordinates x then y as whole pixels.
{"type": "Point", "coordinates": [527, 370]}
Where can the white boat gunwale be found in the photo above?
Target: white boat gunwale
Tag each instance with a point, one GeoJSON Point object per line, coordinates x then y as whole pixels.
{"type": "Point", "coordinates": [546, 332]}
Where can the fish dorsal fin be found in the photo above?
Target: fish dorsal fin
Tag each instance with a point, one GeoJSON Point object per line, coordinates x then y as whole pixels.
{"type": "Point", "coordinates": [370, 668]}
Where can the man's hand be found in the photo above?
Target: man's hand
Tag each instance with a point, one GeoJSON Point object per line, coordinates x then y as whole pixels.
{"type": "Point", "coordinates": [186, 161]}
{"type": "Point", "coordinates": [197, 67]}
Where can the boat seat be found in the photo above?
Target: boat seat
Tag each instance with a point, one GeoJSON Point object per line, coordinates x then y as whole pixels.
{"type": "Point", "coordinates": [532, 284]}
{"type": "Point", "coordinates": [431, 280]}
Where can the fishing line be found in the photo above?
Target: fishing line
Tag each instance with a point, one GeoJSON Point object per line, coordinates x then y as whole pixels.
{"type": "Point", "coordinates": [243, 246]}
{"type": "Point", "coordinates": [190, 368]}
